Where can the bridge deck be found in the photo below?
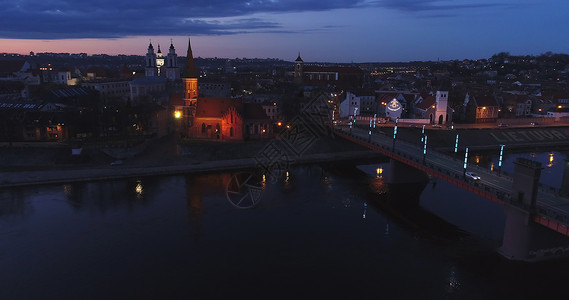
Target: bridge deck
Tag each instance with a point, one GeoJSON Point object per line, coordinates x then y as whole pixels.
{"type": "Point", "coordinates": [551, 210]}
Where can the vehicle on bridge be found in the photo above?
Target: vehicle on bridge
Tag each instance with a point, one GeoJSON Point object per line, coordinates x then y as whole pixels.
{"type": "Point", "coordinates": [472, 175]}
{"type": "Point", "coordinates": [117, 163]}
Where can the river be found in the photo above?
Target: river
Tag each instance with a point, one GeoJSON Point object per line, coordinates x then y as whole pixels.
{"type": "Point", "coordinates": [323, 231]}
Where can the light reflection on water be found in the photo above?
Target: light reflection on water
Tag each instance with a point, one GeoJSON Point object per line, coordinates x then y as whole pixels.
{"type": "Point", "coordinates": [329, 232]}
{"type": "Point", "coordinates": [553, 163]}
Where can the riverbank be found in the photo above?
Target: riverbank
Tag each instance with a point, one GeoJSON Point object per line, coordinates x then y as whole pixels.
{"type": "Point", "coordinates": [163, 157]}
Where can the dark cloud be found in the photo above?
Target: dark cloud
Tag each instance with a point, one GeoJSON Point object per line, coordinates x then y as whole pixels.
{"type": "Point", "coordinates": [54, 19]}
{"type": "Point", "coordinates": [433, 5]}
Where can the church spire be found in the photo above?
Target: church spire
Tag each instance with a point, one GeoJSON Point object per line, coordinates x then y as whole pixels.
{"type": "Point", "coordinates": [190, 81]}
{"type": "Point", "coordinates": [191, 67]}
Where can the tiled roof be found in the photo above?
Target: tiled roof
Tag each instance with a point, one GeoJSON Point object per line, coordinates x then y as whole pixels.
{"type": "Point", "coordinates": [511, 98]}
{"type": "Point", "coordinates": [427, 102]}
{"type": "Point", "coordinates": [253, 111]}
{"type": "Point", "coordinates": [71, 92]}
{"type": "Point", "coordinates": [11, 66]}
{"type": "Point", "coordinates": [485, 100]}
{"type": "Point", "coordinates": [386, 97]}
{"type": "Point", "coordinates": [216, 107]}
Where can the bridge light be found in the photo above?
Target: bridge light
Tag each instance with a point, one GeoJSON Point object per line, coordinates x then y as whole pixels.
{"type": "Point", "coordinates": [456, 144]}
{"type": "Point", "coordinates": [395, 131]}
{"type": "Point", "coordinates": [501, 156]}
{"type": "Point", "coordinates": [465, 159]}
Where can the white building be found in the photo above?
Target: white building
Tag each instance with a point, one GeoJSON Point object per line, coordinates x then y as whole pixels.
{"type": "Point", "coordinates": [350, 106]}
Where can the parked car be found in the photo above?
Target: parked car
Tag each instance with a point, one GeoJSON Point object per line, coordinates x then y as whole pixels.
{"type": "Point", "coordinates": [534, 123]}
{"type": "Point", "coordinates": [472, 175]}
{"type": "Point", "coordinates": [436, 126]}
{"type": "Point", "coordinates": [502, 125]}
{"type": "Point", "coordinates": [117, 162]}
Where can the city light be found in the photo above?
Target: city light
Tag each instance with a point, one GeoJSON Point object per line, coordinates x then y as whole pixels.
{"type": "Point", "coordinates": [379, 172]}
{"type": "Point", "coordinates": [456, 144]}
{"type": "Point", "coordinates": [177, 114]}
{"type": "Point", "coordinates": [374, 115]}
{"type": "Point", "coordinates": [550, 160]}
{"type": "Point", "coordinates": [425, 149]}
{"type": "Point", "coordinates": [465, 159]}
{"type": "Point", "coordinates": [138, 189]}
{"type": "Point", "coordinates": [501, 156]}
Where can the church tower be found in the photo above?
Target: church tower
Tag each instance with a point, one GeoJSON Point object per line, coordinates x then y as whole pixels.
{"type": "Point", "coordinates": [441, 116]}
{"type": "Point", "coordinates": [190, 79]}
{"type": "Point", "coordinates": [159, 61]}
{"type": "Point", "coordinates": [298, 69]}
{"type": "Point", "coordinates": [172, 70]}
{"type": "Point", "coordinates": [151, 69]}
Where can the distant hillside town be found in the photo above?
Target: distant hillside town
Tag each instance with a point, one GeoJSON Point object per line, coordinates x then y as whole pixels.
{"type": "Point", "coordinates": [118, 101]}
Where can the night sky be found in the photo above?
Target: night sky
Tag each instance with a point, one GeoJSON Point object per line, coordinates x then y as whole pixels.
{"type": "Point", "coordinates": [330, 30]}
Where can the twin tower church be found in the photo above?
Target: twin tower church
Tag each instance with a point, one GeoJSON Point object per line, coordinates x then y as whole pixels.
{"type": "Point", "coordinates": [158, 65]}
{"type": "Point", "coordinates": [202, 117]}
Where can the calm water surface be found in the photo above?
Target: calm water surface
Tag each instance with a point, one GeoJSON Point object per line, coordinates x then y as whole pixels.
{"type": "Point", "coordinates": [327, 232]}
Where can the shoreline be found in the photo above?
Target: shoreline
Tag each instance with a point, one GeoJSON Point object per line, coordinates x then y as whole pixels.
{"type": "Point", "coordinates": [13, 179]}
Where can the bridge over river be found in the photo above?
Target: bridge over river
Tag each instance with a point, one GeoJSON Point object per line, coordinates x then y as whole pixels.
{"type": "Point", "coordinates": [537, 217]}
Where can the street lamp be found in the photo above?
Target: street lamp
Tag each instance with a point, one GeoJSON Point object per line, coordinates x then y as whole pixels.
{"type": "Point", "coordinates": [394, 135]}
{"type": "Point", "coordinates": [500, 159]}
{"type": "Point", "coordinates": [425, 149]}
{"type": "Point", "coordinates": [465, 161]}
{"type": "Point", "coordinates": [369, 138]}
{"type": "Point", "coordinates": [456, 145]}
{"type": "Point", "coordinates": [374, 121]}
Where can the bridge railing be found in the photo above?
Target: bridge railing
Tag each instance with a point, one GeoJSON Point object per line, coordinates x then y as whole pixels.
{"type": "Point", "coordinates": [411, 152]}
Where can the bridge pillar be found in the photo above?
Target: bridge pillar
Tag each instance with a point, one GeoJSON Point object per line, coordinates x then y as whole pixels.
{"type": "Point", "coordinates": [523, 239]}
{"type": "Point", "coordinates": [526, 182]}
{"type": "Point", "coordinates": [517, 234]}
{"type": "Point", "coordinates": [517, 242]}
{"type": "Point", "coordinates": [406, 183]}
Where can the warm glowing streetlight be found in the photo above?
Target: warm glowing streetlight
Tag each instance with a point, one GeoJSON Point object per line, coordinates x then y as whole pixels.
{"type": "Point", "coordinates": [177, 114]}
